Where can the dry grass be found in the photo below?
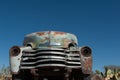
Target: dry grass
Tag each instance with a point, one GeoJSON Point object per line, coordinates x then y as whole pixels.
{"type": "Point", "coordinates": [3, 77]}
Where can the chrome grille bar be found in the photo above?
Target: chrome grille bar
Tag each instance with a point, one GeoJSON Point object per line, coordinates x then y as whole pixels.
{"type": "Point", "coordinates": [52, 57]}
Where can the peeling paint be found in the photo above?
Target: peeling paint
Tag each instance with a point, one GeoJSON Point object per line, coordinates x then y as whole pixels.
{"type": "Point", "coordinates": [48, 38]}
{"type": "Point", "coordinates": [86, 62]}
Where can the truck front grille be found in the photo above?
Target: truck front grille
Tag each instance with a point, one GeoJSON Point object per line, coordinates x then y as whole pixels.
{"type": "Point", "coordinates": [51, 57]}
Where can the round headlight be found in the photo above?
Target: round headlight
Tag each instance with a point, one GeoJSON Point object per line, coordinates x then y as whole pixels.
{"type": "Point", "coordinates": [14, 51]}
{"type": "Point", "coordinates": [86, 51]}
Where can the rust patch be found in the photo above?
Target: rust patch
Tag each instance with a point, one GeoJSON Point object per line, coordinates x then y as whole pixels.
{"type": "Point", "coordinates": [40, 33]}
{"type": "Point", "coordinates": [44, 40]}
{"type": "Point", "coordinates": [59, 33]}
{"type": "Point", "coordinates": [88, 64]}
{"type": "Point", "coordinates": [65, 42]}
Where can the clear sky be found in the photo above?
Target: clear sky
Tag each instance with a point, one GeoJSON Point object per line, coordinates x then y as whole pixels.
{"type": "Point", "coordinates": [96, 23]}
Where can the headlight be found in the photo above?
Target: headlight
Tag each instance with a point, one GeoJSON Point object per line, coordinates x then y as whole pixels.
{"type": "Point", "coordinates": [15, 50]}
{"type": "Point", "coordinates": [86, 51]}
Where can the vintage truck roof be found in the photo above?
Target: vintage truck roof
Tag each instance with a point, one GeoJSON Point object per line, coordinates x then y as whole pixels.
{"type": "Point", "coordinates": [50, 38]}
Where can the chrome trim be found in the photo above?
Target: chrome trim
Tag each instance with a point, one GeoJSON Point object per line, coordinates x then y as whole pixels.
{"type": "Point", "coordinates": [51, 65]}
{"type": "Point", "coordinates": [46, 52]}
{"type": "Point", "coordinates": [44, 61]}
{"type": "Point", "coordinates": [44, 57]}
{"type": "Point", "coordinates": [54, 57]}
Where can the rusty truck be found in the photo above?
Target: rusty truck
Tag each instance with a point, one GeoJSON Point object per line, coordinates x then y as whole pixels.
{"type": "Point", "coordinates": [50, 55]}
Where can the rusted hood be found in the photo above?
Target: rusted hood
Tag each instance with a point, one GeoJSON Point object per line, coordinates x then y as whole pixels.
{"type": "Point", "coordinates": [50, 39]}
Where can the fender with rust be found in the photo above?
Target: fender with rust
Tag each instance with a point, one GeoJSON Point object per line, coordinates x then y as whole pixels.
{"type": "Point", "coordinates": [86, 59]}
{"type": "Point", "coordinates": [15, 57]}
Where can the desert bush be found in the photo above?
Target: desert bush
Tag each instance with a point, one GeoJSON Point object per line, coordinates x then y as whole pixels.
{"type": "Point", "coordinates": [110, 72]}
{"type": "Point", "coordinates": [5, 73]}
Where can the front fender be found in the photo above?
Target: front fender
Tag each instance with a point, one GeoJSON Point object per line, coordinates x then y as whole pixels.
{"type": "Point", "coordinates": [15, 63]}
{"type": "Point", "coordinates": [86, 64]}
{"type": "Point", "coordinates": [16, 53]}
{"type": "Point", "coordinates": [86, 59]}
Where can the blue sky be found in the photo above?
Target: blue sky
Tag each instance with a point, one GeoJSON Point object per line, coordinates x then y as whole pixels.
{"type": "Point", "coordinates": [96, 23]}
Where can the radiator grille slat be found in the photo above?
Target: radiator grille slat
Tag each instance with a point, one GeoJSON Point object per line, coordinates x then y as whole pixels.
{"type": "Point", "coordinates": [48, 58]}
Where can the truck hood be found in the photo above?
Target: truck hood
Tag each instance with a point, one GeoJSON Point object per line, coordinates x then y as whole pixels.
{"type": "Point", "coordinates": [50, 39]}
